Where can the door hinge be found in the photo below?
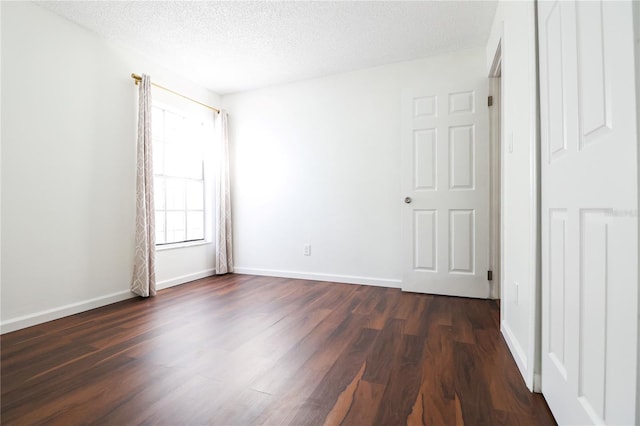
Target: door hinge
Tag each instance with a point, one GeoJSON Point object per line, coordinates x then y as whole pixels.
{"type": "Point", "coordinates": [490, 275]}
{"type": "Point", "coordinates": [490, 101]}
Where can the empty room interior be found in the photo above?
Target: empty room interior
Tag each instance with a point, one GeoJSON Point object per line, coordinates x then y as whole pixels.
{"type": "Point", "coordinates": [319, 212]}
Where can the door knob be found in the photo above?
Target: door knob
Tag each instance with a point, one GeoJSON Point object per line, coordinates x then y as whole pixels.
{"type": "Point", "coordinates": [407, 200]}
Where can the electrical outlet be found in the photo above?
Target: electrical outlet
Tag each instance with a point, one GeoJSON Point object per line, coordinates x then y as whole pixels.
{"type": "Point", "coordinates": [517, 291]}
{"type": "Point", "coordinates": [307, 249]}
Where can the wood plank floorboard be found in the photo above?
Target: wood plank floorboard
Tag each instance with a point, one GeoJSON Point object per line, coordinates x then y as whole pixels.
{"type": "Point", "coordinates": [245, 350]}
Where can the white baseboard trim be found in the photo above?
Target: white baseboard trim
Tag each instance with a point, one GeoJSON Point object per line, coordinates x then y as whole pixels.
{"type": "Point", "coordinates": [97, 302]}
{"type": "Point", "coordinates": [63, 311]}
{"type": "Point", "coordinates": [346, 279]}
{"type": "Point", "coordinates": [516, 351]}
{"type": "Point", "coordinates": [184, 279]}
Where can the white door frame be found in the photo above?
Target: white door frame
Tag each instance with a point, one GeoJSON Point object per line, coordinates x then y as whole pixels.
{"type": "Point", "coordinates": [530, 371]}
{"type": "Point", "coordinates": [636, 29]}
{"type": "Point", "coordinates": [495, 170]}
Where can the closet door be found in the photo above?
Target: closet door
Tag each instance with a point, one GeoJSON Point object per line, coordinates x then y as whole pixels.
{"type": "Point", "coordinates": [589, 166]}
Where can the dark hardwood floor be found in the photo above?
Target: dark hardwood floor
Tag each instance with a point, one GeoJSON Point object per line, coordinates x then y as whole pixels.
{"type": "Point", "coordinates": [240, 349]}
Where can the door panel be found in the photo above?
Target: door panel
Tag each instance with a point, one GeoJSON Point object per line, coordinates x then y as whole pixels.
{"type": "Point", "coordinates": [426, 230]}
{"type": "Point", "coordinates": [557, 288]}
{"type": "Point", "coordinates": [426, 159]}
{"type": "Point", "coordinates": [445, 172]}
{"type": "Point", "coordinates": [461, 157]}
{"type": "Point", "coordinates": [461, 236]}
{"type": "Point", "coordinates": [589, 211]}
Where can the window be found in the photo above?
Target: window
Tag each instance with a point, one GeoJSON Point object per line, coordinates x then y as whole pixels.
{"type": "Point", "coordinates": [179, 176]}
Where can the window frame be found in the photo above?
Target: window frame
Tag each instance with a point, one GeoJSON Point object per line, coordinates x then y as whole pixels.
{"type": "Point", "coordinates": [206, 180]}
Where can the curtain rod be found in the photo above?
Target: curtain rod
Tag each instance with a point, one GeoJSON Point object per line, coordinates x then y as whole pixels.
{"type": "Point", "coordinates": [137, 79]}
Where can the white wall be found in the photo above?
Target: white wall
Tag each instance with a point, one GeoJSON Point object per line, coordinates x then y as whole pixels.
{"type": "Point", "coordinates": [318, 162]}
{"type": "Point", "coordinates": [68, 168]}
{"type": "Point", "coordinates": [514, 23]}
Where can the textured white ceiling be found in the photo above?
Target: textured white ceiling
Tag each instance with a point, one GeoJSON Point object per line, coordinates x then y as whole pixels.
{"type": "Point", "coordinates": [236, 46]}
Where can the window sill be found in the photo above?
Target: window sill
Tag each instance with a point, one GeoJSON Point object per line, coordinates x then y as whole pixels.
{"type": "Point", "coordinates": [182, 245]}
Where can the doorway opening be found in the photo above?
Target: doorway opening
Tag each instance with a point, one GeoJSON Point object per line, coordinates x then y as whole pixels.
{"type": "Point", "coordinates": [495, 165]}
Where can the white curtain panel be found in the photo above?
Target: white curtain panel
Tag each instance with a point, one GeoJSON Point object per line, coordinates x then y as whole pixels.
{"type": "Point", "coordinates": [144, 275]}
{"type": "Point", "coordinates": [224, 249]}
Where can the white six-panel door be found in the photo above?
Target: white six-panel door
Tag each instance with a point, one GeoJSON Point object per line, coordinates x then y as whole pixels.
{"type": "Point", "coordinates": [445, 185]}
{"type": "Point", "coordinates": [589, 211]}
